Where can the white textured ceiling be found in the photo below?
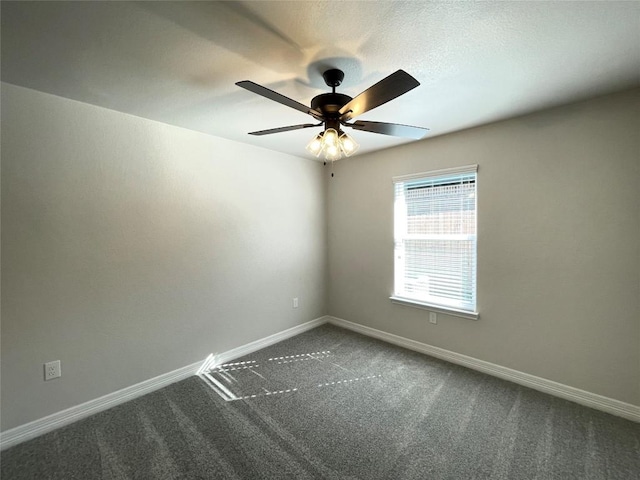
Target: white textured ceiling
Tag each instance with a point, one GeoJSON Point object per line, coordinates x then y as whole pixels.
{"type": "Point", "coordinates": [177, 62]}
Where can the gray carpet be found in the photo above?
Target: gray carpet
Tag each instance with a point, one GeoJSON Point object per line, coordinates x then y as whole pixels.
{"type": "Point", "coordinates": [332, 404]}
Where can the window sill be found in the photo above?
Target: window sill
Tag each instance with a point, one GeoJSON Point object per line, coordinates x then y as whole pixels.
{"type": "Point", "coordinates": [434, 308]}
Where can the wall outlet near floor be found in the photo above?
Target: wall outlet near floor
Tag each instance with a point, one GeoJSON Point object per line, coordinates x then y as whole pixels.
{"type": "Point", "coordinates": [295, 302]}
{"type": "Point", "coordinates": [52, 370]}
{"type": "Point", "coordinates": [433, 317]}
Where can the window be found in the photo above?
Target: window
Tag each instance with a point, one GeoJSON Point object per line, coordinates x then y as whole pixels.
{"type": "Point", "coordinates": [435, 240]}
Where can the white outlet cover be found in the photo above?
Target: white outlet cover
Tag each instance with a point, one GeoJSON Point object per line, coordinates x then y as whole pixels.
{"type": "Point", "coordinates": [52, 370]}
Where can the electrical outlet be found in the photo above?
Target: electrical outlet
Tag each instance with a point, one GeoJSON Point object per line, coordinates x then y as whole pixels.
{"type": "Point", "coordinates": [52, 370]}
{"type": "Point", "coordinates": [295, 302]}
{"type": "Point", "coordinates": [433, 317]}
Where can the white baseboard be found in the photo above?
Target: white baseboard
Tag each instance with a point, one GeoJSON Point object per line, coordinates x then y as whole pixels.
{"type": "Point", "coordinates": [593, 400]}
{"type": "Point", "coordinates": [30, 430]}
{"type": "Point", "coordinates": [243, 350]}
{"type": "Point", "coordinates": [52, 422]}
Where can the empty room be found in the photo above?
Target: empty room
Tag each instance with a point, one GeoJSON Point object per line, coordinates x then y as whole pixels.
{"type": "Point", "coordinates": [354, 240]}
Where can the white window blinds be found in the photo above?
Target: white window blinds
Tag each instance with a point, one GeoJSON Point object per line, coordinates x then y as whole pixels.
{"type": "Point", "coordinates": [435, 238]}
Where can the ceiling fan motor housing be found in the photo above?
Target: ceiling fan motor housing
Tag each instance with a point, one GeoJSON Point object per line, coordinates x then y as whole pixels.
{"type": "Point", "coordinates": [329, 104]}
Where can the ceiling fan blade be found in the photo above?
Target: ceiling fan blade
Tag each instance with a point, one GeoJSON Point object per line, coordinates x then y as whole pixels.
{"type": "Point", "coordinates": [276, 97]}
{"type": "Point", "coordinates": [395, 129]}
{"type": "Point", "coordinates": [388, 88]}
{"type": "Point", "coordinates": [285, 129]}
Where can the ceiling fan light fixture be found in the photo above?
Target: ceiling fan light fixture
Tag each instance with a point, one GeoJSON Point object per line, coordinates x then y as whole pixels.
{"type": "Point", "coordinates": [332, 152]}
{"type": "Point", "coordinates": [315, 145]}
{"type": "Point", "coordinates": [333, 144]}
{"type": "Point", "coordinates": [330, 138]}
{"type": "Point", "coordinates": [348, 145]}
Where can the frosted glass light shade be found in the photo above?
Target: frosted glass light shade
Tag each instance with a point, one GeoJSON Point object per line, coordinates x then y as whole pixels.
{"type": "Point", "coordinates": [332, 152]}
{"type": "Point", "coordinates": [330, 137]}
{"type": "Point", "coordinates": [348, 145]}
{"type": "Point", "coordinates": [315, 145]}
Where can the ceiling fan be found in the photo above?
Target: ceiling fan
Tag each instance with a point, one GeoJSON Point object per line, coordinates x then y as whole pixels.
{"type": "Point", "coordinates": [336, 110]}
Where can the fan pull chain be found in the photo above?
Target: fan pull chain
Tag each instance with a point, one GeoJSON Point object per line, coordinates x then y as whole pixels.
{"type": "Point", "coordinates": [331, 168]}
{"type": "Point", "coordinates": [325, 164]}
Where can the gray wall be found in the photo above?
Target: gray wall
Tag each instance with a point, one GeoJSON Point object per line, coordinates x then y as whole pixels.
{"type": "Point", "coordinates": [132, 248]}
{"type": "Point", "coordinates": [559, 244]}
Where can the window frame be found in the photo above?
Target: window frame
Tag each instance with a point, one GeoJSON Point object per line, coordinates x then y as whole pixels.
{"type": "Point", "coordinates": [418, 303]}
